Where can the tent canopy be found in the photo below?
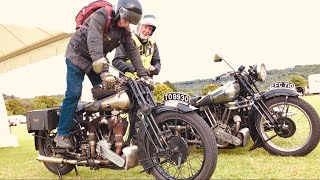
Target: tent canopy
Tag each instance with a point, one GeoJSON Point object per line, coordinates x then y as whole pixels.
{"type": "Point", "coordinates": [24, 45]}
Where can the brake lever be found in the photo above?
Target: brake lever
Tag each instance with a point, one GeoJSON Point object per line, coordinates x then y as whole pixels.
{"type": "Point", "coordinates": [149, 82]}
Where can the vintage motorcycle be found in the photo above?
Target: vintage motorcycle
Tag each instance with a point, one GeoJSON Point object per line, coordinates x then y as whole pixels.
{"type": "Point", "coordinates": [170, 143]}
{"type": "Point", "coordinates": [277, 120]}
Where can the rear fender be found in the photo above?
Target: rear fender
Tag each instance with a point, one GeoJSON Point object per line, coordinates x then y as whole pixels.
{"type": "Point", "coordinates": [37, 135]}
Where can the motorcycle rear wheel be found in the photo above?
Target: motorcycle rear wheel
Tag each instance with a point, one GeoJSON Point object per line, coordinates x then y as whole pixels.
{"type": "Point", "coordinates": [302, 127]}
{"type": "Point", "coordinates": [194, 144]}
{"type": "Point", "coordinates": [45, 144]}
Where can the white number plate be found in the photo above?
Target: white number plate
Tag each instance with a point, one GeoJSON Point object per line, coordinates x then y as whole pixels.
{"type": "Point", "coordinates": [285, 85]}
{"type": "Point", "coordinates": [176, 97]}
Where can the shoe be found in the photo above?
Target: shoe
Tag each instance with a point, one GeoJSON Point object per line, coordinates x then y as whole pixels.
{"type": "Point", "coordinates": [63, 141]}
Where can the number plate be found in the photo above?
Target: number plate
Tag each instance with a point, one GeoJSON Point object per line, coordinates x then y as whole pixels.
{"type": "Point", "coordinates": [173, 98]}
{"type": "Point", "coordinates": [285, 85]}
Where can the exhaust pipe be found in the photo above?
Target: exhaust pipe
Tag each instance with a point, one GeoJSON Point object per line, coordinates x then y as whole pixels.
{"type": "Point", "coordinates": [245, 136]}
{"type": "Point", "coordinates": [129, 160]}
{"type": "Point", "coordinates": [57, 160]}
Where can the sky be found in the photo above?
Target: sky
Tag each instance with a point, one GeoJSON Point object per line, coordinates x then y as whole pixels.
{"type": "Point", "coordinates": [279, 33]}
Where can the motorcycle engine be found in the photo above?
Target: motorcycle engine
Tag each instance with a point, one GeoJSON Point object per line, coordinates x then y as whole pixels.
{"type": "Point", "coordinates": [105, 134]}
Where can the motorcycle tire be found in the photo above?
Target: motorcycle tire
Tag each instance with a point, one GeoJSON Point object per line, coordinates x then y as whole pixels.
{"type": "Point", "coordinates": [182, 141]}
{"type": "Point", "coordinates": [302, 127]}
{"type": "Point", "coordinates": [45, 143]}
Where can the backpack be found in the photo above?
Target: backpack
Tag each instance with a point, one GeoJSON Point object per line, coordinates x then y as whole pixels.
{"type": "Point", "coordinates": [86, 11]}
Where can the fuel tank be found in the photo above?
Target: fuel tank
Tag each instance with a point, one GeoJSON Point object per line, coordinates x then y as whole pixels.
{"type": "Point", "coordinates": [226, 93]}
{"type": "Point", "coordinates": [119, 101]}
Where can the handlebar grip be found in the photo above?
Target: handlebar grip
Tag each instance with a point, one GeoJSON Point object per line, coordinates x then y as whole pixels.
{"type": "Point", "coordinates": [216, 78]}
{"type": "Point", "coordinates": [220, 76]}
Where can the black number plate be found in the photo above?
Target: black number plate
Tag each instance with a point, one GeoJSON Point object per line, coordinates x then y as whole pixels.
{"type": "Point", "coordinates": [285, 85]}
{"type": "Point", "coordinates": [175, 97]}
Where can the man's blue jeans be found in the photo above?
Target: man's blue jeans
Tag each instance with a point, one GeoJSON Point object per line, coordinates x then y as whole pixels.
{"type": "Point", "coordinates": [75, 77]}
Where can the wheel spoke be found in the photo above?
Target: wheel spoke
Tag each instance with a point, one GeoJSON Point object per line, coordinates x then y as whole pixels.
{"type": "Point", "coordinates": [295, 122]}
{"type": "Point", "coordinates": [191, 160]}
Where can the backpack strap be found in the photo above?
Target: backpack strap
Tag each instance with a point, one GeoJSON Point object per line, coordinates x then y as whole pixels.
{"type": "Point", "coordinates": [109, 14]}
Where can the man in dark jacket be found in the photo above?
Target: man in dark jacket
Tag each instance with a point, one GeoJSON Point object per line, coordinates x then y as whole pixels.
{"type": "Point", "coordinates": [147, 47]}
{"type": "Point", "coordinates": [86, 54]}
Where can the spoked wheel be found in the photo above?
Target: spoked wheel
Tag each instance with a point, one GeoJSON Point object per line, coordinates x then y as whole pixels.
{"type": "Point", "coordinates": [297, 132]}
{"type": "Point", "coordinates": [46, 144]}
{"type": "Point", "coordinates": [191, 152]}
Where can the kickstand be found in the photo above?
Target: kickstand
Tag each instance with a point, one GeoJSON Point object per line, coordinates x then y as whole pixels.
{"type": "Point", "coordinates": [258, 143]}
{"type": "Point", "coordinates": [76, 170]}
{"type": "Point", "coordinates": [60, 177]}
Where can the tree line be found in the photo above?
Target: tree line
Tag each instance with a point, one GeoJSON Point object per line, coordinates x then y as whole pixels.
{"type": "Point", "coordinates": [298, 75]}
{"type": "Point", "coordinates": [20, 106]}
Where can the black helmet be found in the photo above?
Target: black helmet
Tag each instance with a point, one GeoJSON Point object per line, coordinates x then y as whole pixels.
{"type": "Point", "coordinates": [130, 10]}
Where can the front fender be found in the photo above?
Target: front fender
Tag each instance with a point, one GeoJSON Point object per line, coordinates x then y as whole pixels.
{"type": "Point", "coordinates": [181, 108]}
{"type": "Point", "coordinates": [279, 92]}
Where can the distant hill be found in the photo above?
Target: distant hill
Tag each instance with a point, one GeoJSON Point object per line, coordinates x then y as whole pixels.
{"type": "Point", "coordinates": [6, 97]}
{"type": "Point", "coordinates": [274, 75]}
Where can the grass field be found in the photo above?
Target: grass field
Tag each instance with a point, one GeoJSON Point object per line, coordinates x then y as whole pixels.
{"type": "Point", "coordinates": [19, 162]}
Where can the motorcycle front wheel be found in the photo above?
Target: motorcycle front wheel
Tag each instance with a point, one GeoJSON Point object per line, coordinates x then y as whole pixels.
{"type": "Point", "coordinates": [297, 132]}
{"type": "Point", "coordinates": [45, 145]}
{"type": "Point", "coordinates": [192, 151]}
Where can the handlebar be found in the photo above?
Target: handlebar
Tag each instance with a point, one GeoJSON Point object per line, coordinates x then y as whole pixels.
{"type": "Point", "coordinates": [147, 81]}
{"type": "Point", "coordinates": [227, 74]}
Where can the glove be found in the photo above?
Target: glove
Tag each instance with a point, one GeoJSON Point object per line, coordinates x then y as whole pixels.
{"type": "Point", "coordinates": [108, 81]}
{"type": "Point", "coordinates": [131, 68]}
{"type": "Point", "coordinates": [143, 72]}
{"type": "Point", "coordinates": [99, 65]}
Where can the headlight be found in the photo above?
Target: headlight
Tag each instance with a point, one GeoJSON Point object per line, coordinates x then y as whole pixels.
{"type": "Point", "coordinates": [261, 72]}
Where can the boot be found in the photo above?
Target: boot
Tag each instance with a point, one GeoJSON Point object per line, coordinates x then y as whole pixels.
{"type": "Point", "coordinates": [63, 141]}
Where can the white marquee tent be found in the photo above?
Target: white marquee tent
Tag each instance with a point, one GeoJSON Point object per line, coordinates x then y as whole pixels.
{"type": "Point", "coordinates": [20, 46]}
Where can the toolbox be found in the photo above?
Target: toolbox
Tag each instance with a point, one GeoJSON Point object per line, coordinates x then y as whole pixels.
{"type": "Point", "coordinates": [44, 119]}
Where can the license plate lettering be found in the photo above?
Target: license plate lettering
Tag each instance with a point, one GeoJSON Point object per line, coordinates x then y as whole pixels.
{"type": "Point", "coordinates": [179, 97]}
{"type": "Point", "coordinates": [285, 85]}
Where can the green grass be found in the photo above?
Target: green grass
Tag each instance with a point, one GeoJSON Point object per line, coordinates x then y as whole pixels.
{"type": "Point", "coordinates": [19, 162]}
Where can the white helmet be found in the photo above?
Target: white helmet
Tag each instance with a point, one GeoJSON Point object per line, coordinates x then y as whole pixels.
{"type": "Point", "coordinates": [149, 20]}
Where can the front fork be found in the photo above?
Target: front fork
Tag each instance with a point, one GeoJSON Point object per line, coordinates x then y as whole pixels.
{"type": "Point", "coordinates": [264, 111]}
{"type": "Point", "coordinates": [146, 102]}
{"type": "Point", "coordinates": [152, 128]}
{"type": "Point", "coordinates": [157, 138]}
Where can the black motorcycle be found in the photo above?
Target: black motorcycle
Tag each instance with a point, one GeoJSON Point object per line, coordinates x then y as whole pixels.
{"type": "Point", "coordinates": [170, 143]}
{"type": "Point", "coordinates": [277, 120]}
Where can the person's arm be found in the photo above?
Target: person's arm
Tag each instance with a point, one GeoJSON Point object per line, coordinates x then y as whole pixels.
{"type": "Point", "coordinates": [120, 59]}
{"type": "Point", "coordinates": [155, 61]}
{"type": "Point", "coordinates": [96, 27]}
{"type": "Point", "coordinates": [134, 55]}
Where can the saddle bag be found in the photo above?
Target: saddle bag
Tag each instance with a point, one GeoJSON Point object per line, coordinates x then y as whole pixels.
{"type": "Point", "coordinates": [44, 119]}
